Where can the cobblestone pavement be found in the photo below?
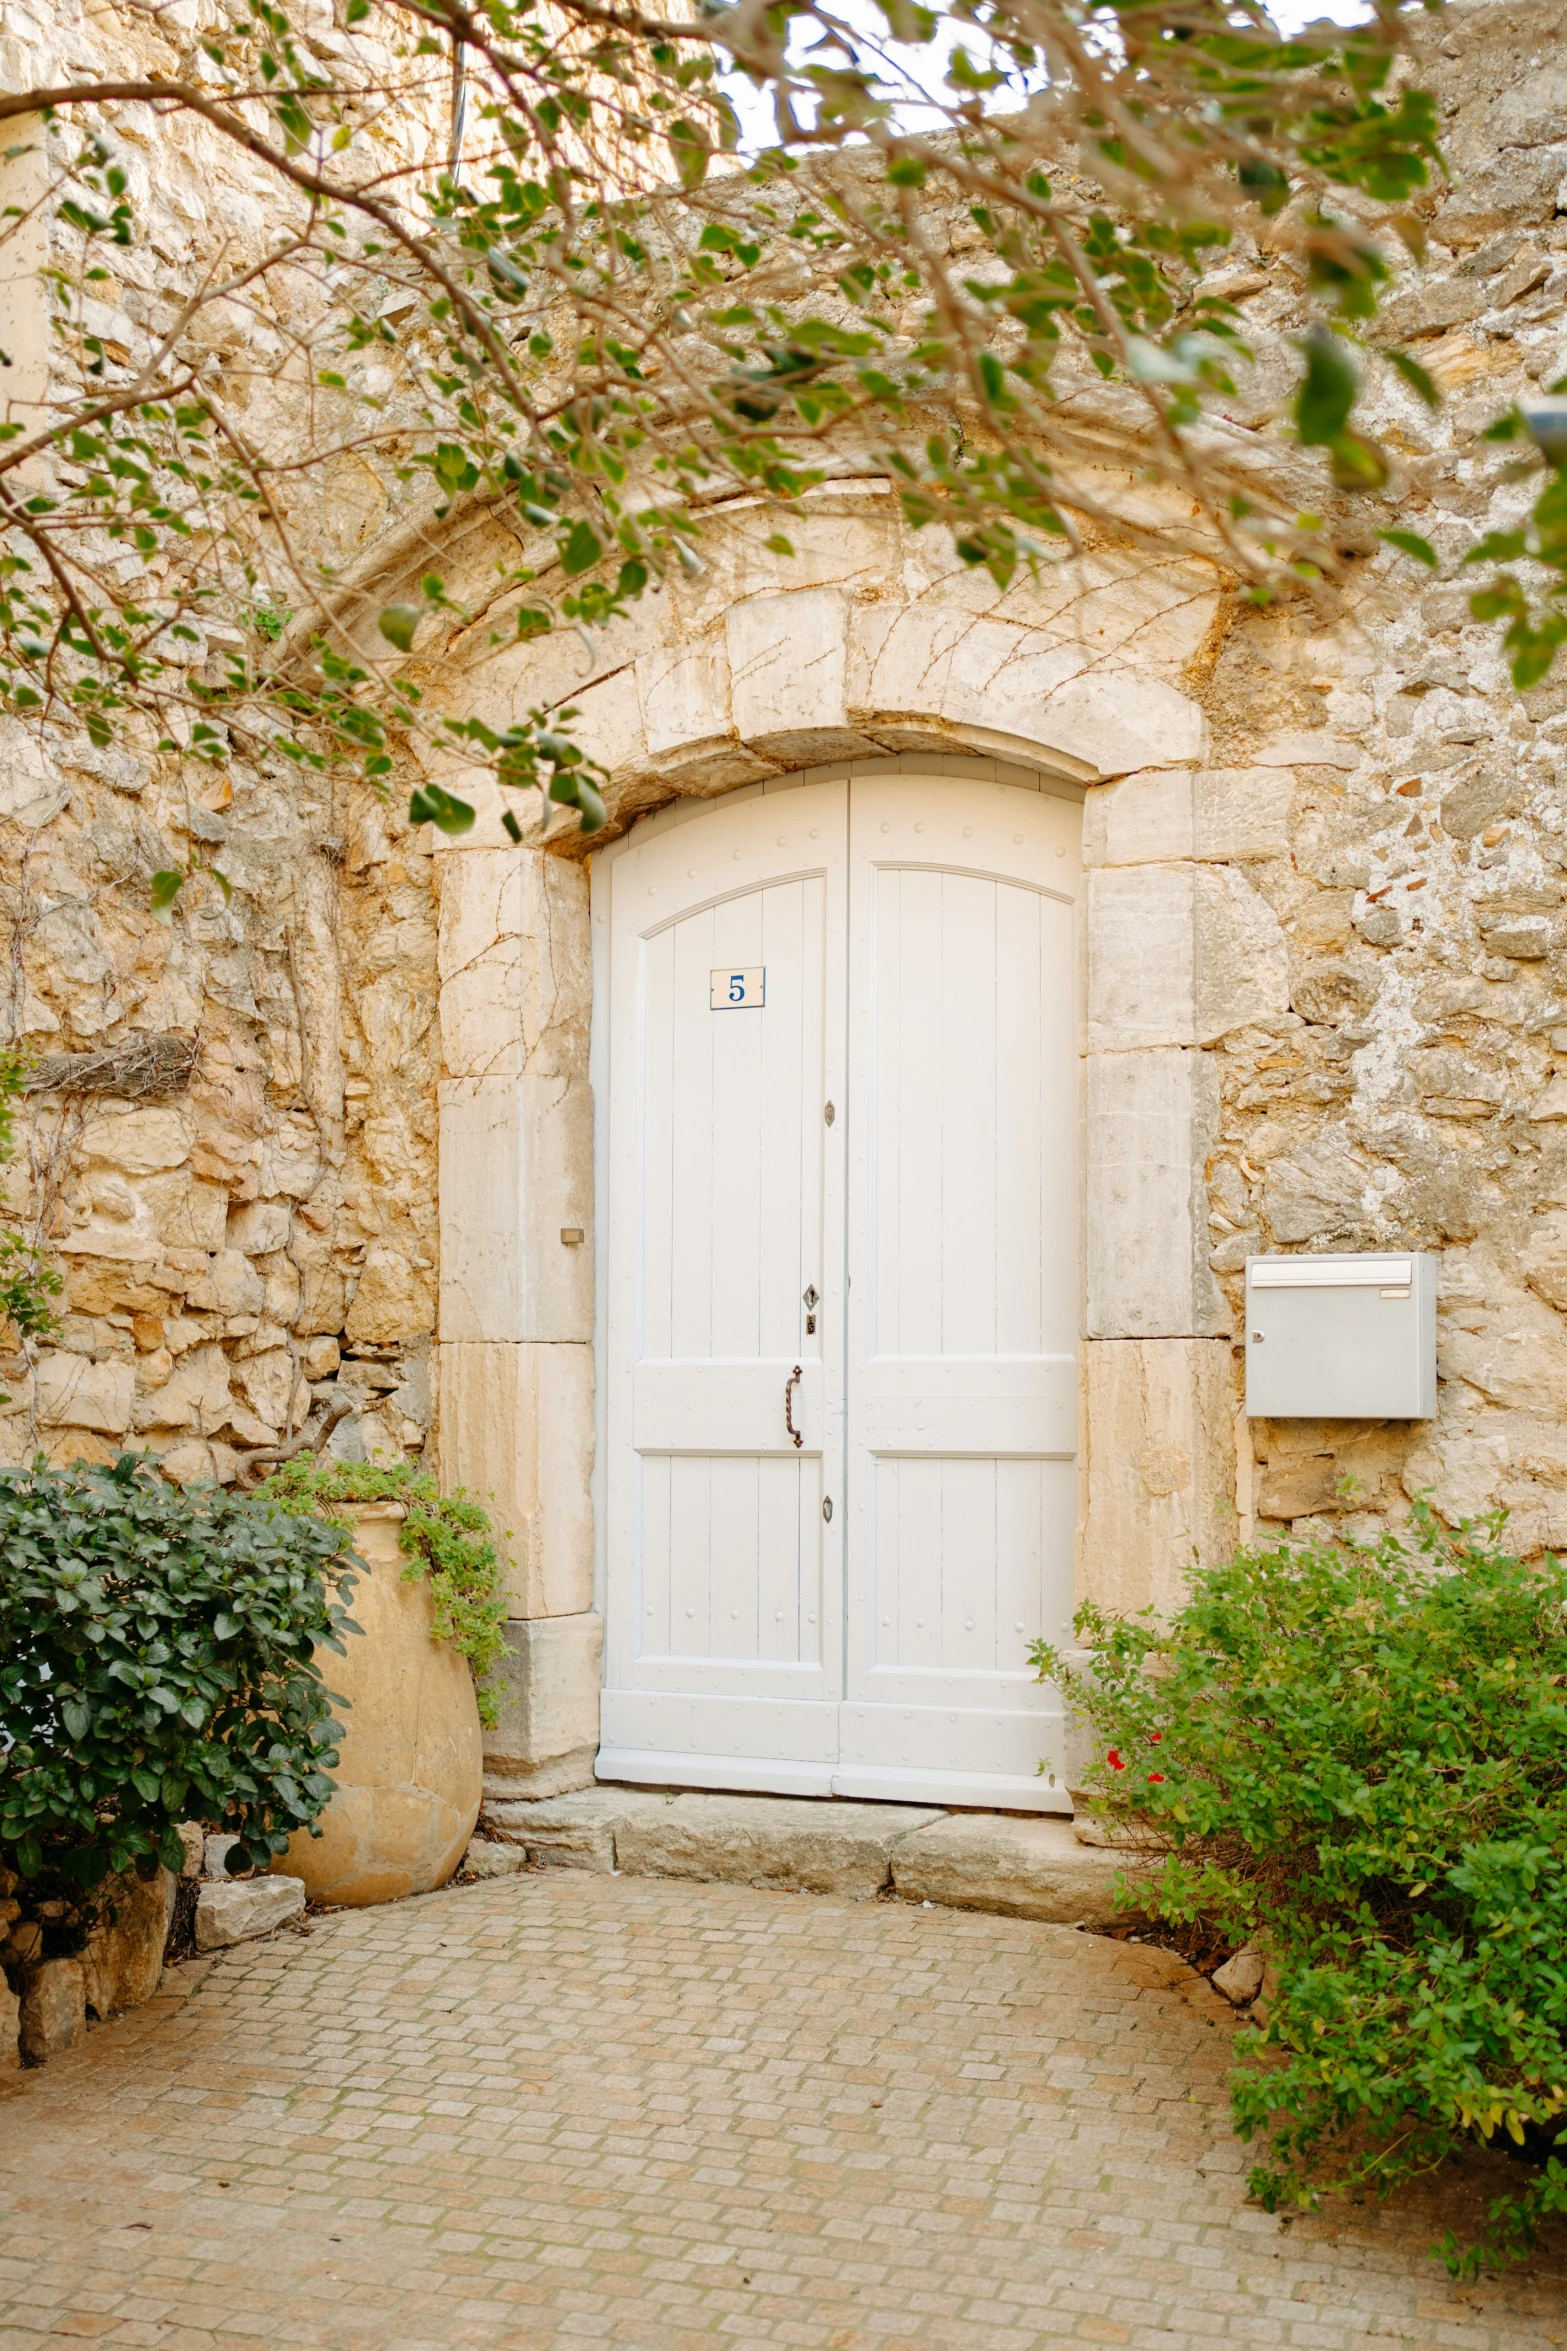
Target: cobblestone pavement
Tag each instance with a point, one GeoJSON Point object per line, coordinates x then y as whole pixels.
{"type": "Point", "coordinates": [573, 2110]}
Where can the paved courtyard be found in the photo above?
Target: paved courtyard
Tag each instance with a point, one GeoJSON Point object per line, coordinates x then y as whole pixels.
{"type": "Point", "coordinates": [574, 2110]}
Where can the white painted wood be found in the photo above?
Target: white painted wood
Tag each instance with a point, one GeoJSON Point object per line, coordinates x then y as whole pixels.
{"type": "Point", "coordinates": [963, 1299]}
{"type": "Point", "coordinates": [724, 1625]}
{"type": "Point", "coordinates": [917, 938]}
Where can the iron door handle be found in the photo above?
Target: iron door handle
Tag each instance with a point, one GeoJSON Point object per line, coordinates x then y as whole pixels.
{"type": "Point", "coordinates": [790, 1385]}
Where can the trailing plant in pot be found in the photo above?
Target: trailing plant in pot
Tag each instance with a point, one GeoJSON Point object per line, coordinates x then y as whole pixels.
{"type": "Point", "coordinates": [445, 1543]}
{"type": "Point", "coordinates": [1356, 1757]}
{"type": "Point", "coordinates": [159, 1661]}
{"type": "Point", "coordinates": [410, 1777]}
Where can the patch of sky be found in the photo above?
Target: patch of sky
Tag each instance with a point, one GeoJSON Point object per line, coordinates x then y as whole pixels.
{"type": "Point", "coordinates": [912, 77]}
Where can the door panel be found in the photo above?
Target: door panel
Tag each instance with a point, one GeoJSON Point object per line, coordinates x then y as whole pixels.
{"type": "Point", "coordinates": [725, 1624]}
{"type": "Point", "coordinates": [908, 950]}
{"type": "Point", "coordinates": [963, 1297]}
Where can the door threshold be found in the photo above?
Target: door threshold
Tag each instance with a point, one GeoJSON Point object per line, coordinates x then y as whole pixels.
{"type": "Point", "coordinates": [764, 1776]}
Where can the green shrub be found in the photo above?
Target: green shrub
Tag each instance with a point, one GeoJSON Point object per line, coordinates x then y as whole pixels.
{"type": "Point", "coordinates": [156, 1666]}
{"type": "Point", "coordinates": [444, 1538]}
{"type": "Point", "coordinates": [1357, 1756]}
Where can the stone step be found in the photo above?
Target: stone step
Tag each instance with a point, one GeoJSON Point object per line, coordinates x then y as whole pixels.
{"type": "Point", "coordinates": [1018, 1865]}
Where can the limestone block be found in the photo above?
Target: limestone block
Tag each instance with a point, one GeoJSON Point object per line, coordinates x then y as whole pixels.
{"type": "Point", "coordinates": [787, 667]}
{"type": "Point", "coordinates": [75, 1392]}
{"type": "Point", "coordinates": [410, 1768]}
{"type": "Point", "coordinates": [1241, 959]}
{"type": "Point", "coordinates": [198, 1460]}
{"type": "Point", "coordinates": [230, 1285]}
{"type": "Point", "coordinates": [1151, 1121]}
{"type": "Point", "coordinates": [395, 1299]}
{"type": "Point", "coordinates": [236, 1910]}
{"type": "Point", "coordinates": [1120, 720]}
{"type": "Point", "coordinates": [513, 959]}
{"type": "Point", "coordinates": [186, 1214]}
{"type": "Point", "coordinates": [940, 661]}
{"type": "Point", "coordinates": [141, 1142]}
{"type": "Point", "coordinates": [267, 1383]}
{"type": "Point", "coordinates": [547, 1691]}
{"type": "Point", "coordinates": [489, 1857]}
{"type": "Point", "coordinates": [1242, 812]}
{"type": "Point", "coordinates": [1179, 954]}
{"type": "Point", "coordinates": [290, 1164]}
{"type": "Point", "coordinates": [683, 691]}
{"type": "Point", "coordinates": [128, 1233]}
{"type": "Point", "coordinates": [1141, 951]}
{"type": "Point", "coordinates": [10, 2028]}
{"type": "Point", "coordinates": [54, 2008]}
{"type": "Point", "coordinates": [516, 1171]}
{"type": "Point", "coordinates": [1159, 1467]}
{"type": "Point", "coordinates": [258, 1228]}
{"type": "Point", "coordinates": [1145, 819]}
{"type": "Point", "coordinates": [572, 1832]}
{"type": "Point", "coordinates": [608, 725]}
{"type": "Point", "coordinates": [196, 1396]}
{"type": "Point", "coordinates": [122, 1961]}
{"type": "Point", "coordinates": [1307, 748]}
{"type": "Point", "coordinates": [813, 1847]}
{"type": "Point", "coordinates": [1005, 688]}
{"type": "Point", "coordinates": [517, 1425]}
{"type": "Point", "coordinates": [1013, 1865]}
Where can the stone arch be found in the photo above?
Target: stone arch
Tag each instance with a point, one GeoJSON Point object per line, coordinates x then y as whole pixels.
{"type": "Point", "coordinates": [870, 649]}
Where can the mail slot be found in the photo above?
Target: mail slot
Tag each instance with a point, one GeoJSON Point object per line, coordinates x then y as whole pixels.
{"type": "Point", "coordinates": [1349, 1337]}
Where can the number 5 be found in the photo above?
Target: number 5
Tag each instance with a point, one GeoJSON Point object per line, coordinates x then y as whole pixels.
{"type": "Point", "coordinates": [737, 987]}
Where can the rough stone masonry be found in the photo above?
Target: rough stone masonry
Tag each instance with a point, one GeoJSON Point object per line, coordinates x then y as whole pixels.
{"type": "Point", "coordinates": [1324, 916]}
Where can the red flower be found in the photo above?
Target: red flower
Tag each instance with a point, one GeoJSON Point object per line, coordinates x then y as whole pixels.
{"type": "Point", "coordinates": [1154, 1737]}
{"type": "Point", "coordinates": [1154, 1775]}
{"type": "Point", "coordinates": [1114, 1761]}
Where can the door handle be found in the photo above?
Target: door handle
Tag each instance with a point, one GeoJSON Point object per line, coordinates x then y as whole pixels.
{"type": "Point", "coordinates": [790, 1384]}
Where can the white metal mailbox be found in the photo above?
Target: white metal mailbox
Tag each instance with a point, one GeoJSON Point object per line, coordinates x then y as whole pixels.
{"type": "Point", "coordinates": [1341, 1338]}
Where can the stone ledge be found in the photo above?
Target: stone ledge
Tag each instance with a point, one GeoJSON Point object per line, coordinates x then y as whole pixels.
{"type": "Point", "coordinates": [1014, 1865]}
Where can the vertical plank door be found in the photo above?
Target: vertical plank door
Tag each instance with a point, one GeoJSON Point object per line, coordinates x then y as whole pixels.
{"type": "Point", "coordinates": [724, 1640]}
{"type": "Point", "coordinates": [963, 1288]}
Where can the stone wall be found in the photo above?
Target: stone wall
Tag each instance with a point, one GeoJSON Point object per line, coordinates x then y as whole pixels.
{"type": "Point", "coordinates": [257, 1232]}
{"type": "Point", "coordinates": [1325, 993]}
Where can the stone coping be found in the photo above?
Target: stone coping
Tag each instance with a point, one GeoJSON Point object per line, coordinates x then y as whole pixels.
{"type": "Point", "coordinates": [1016, 1865]}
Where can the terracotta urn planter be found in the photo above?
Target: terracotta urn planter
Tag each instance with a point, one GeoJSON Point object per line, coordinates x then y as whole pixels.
{"type": "Point", "coordinates": [410, 1774]}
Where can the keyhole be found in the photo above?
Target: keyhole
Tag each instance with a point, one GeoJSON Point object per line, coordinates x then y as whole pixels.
{"type": "Point", "coordinates": [810, 1316]}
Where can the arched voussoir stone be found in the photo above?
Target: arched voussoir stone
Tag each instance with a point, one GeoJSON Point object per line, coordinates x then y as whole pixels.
{"type": "Point", "coordinates": [695, 698]}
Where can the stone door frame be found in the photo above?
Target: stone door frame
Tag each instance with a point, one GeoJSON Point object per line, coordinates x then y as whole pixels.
{"type": "Point", "coordinates": [1177, 948]}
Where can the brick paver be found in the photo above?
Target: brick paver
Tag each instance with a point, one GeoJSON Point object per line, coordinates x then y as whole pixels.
{"type": "Point", "coordinates": [573, 2110]}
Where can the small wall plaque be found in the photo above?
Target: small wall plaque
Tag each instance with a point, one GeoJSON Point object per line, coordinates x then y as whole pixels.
{"type": "Point", "coordinates": [739, 991]}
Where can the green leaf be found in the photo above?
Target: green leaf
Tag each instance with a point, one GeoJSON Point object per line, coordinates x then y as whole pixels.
{"type": "Point", "coordinates": [1327, 390]}
{"type": "Point", "coordinates": [692, 150]}
{"type": "Point", "coordinates": [432, 804]}
{"type": "Point", "coordinates": [510, 827]}
{"type": "Point", "coordinates": [777, 544]}
{"type": "Point", "coordinates": [582, 550]}
{"type": "Point", "coordinates": [76, 1715]}
{"type": "Point", "coordinates": [1411, 543]}
{"type": "Point", "coordinates": [397, 625]}
{"type": "Point", "coordinates": [1416, 377]}
{"type": "Point", "coordinates": [165, 888]}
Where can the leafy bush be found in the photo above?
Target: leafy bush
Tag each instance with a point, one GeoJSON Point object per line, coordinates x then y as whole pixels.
{"type": "Point", "coordinates": [156, 1666]}
{"type": "Point", "coordinates": [1357, 1757]}
{"type": "Point", "coordinates": [443, 1535]}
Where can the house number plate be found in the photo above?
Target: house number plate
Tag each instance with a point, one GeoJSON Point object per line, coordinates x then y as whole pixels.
{"type": "Point", "coordinates": [733, 990]}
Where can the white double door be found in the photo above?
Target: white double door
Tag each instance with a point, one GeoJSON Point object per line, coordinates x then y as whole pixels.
{"type": "Point", "coordinates": [839, 1344]}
